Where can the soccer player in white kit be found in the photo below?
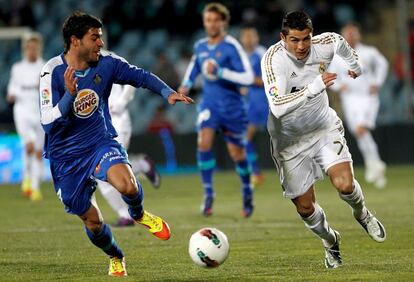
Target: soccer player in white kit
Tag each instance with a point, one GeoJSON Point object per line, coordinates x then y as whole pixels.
{"type": "Point", "coordinates": [23, 91]}
{"type": "Point", "coordinates": [307, 137]}
{"type": "Point", "coordinates": [360, 100]}
{"type": "Point", "coordinates": [119, 98]}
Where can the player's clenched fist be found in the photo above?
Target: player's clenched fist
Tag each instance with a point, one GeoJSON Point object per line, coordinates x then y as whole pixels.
{"type": "Point", "coordinates": [328, 78]}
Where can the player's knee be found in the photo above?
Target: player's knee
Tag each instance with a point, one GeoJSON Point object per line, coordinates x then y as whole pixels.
{"type": "Point", "coordinates": [30, 148]}
{"type": "Point", "coordinates": [343, 183]}
{"type": "Point", "coordinates": [305, 209]}
{"type": "Point", "coordinates": [204, 146]}
{"type": "Point", "coordinates": [127, 187]}
{"type": "Point", "coordinates": [237, 154]}
{"type": "Point", "coordinates": [95, 226]}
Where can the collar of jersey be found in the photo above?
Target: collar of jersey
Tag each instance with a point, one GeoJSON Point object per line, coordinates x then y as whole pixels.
{"type": "Point", "coordinates": [82, 73]}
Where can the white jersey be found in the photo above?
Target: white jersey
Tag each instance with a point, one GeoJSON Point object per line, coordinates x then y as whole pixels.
{"type": "Point", "coordinates": [24, 87]}
{"type": "Point", "coordinates": [300, 112]}
{"type": "Point", "coordinates": [118, 106]}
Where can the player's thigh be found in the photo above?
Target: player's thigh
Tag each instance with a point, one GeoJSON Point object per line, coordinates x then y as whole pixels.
{"type": "Point", "coordinates": [122, 178]}
{"type": "Point", "coordinates": [331, 150]}
{"type": "Point", "coordinates": [113, 166]}
{"type": "Point", "coordinates": [205, 138]}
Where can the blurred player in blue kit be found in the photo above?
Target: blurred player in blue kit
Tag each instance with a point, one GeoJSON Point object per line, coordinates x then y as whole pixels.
{"type": "Point", "coordinates": [258, 108]}
{"type": "Point", "coordinates": [225, 68]}
{"type": "Point", "coordinates": [74, 91]}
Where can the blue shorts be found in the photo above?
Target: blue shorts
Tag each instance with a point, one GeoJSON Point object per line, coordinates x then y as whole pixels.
{"type": "Point", "coordinates": [233, 124]}
{"type": "Point", "coordinates": [74, 180]}
{"type": "Point", "coordinates": [257, 114]}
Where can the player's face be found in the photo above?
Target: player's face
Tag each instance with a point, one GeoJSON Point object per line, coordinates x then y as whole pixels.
{"type": "Point", "coordinates": [90, 45]}
{"type": "Point", "coordinates": [213, 24]}
{"type": "Point", "coordinates": [298, 42]}
{"type": "Point", "coordinates": [249, 38]}
{"type": "Point", "coordinates": [32, 50]}
{"type": "Point", "coordinates": [351, 35]}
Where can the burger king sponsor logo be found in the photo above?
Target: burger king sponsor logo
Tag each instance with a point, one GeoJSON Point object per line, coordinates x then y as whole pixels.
{"type": "Point", "coordinates": [86, 103]}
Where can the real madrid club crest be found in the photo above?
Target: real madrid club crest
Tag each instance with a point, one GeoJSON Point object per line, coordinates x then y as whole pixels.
{"type": "Point", "coordinates": [322, 67]}
{"type": "Point", "coordinates": [86, 103]}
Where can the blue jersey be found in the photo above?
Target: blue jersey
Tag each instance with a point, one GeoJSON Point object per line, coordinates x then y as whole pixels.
{"type": "Point", "coordinates": [221, 90]}
{"type": "Point", "coordinates": [258, 105]}
{"type": "Point", "coordinates": [76, 126]}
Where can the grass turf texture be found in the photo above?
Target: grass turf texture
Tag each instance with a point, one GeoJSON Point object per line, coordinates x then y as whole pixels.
{"type": "Point", "coordinates": [39, 241]}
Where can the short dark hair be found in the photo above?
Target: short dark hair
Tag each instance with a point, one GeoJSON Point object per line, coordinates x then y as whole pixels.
{"type": "Point", "coordinates": [78, 24]}
{"type": "Point", "coordinates": [219, 9]}
{"type": "Point", "coordinates": [298, 20]}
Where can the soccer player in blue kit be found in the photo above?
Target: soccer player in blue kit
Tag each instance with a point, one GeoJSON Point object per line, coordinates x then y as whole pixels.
{"type": "Point", "coordinates": [258, 108]}
{"type": "Point", "coordinates": [225, 68]}
{"type": "Point", "coordinates": [74, 91]}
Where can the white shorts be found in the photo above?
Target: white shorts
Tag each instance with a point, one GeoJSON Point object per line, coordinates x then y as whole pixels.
{"type": "Point", "coordinates": [29, 129]}
{"type": "Point", "coordinates": [360, 111]}
{"type": "Point", "coordinates": [298, 174]}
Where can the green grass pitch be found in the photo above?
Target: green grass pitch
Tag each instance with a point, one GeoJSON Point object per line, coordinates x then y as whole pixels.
{"type": "Point", "coordinates": [40, 242]}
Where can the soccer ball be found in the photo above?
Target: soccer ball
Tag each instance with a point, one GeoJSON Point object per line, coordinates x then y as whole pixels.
{"type": "Point", "coordinates": [208, 247]}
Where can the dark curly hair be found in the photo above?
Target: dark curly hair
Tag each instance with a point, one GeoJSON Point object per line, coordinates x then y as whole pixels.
{"type": "Point", "coordinates": [78, 24]}
{"type": "Point", "coordinates": [298, 20]}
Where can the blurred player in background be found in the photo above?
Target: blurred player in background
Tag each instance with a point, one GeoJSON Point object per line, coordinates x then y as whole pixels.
{"type": "Point", "coordinates": [225, 67]}
{"type": "Point", "coordinates": [360, 100]}
{"type": "Point", "coordinates": [257, 101]}
{"type": "Point", "coordinates": [75, 87]}
{"type": "Point", "coordinates": [306, 134]}
{"type": "Point", "coordinates": [118, 107]}
{"type": "Point", "coordinates": [23, 91]}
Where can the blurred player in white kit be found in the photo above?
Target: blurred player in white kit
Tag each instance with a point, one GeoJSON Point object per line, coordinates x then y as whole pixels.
{"type": "Point", "coordinates": [360, 100]}
{"type": "Point", "coordinates": [23, 91]}
{"type": "Point", "coordinates": [119, 98]}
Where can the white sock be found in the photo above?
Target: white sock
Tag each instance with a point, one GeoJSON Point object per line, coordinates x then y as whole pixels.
{"type": "Point", "coordinates": [26, 165]}
{"type": "Point", "coordinates": [114, 198]}
{"type": "Point", "coordinates": [356, 201]}
{"type": "Point", "coordinates": [36, 171]}
{"type": "Point", "coordinates": [317, 224]}
{"type": "Point", "coordinates": [368, 148]}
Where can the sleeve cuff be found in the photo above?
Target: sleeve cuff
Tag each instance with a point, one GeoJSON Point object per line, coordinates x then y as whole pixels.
{"type": "Point", "coordinates": [166, 92]}
{"type": "Point", "coordinates": [65, 104]}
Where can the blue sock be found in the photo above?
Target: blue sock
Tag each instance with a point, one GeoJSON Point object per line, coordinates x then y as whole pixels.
{"type": "Point", "coordinates": [252, 157]}
{"type": "Point", "coordinates": [242, 168]}
{"type": "Point", "coordinates": [135, 207]}
{"type": "Point", "coordinates": [105, 241]}
{"type": "Point", "coordinates": [206, 165]}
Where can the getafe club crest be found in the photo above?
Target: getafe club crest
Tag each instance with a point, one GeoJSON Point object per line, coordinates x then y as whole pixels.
{"type": "Point", "coordinates": [322, 67]}
{"type": "Point", "coordinates": [86, 103]}
{"type": "Point", "coordinates": [97, 79]}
